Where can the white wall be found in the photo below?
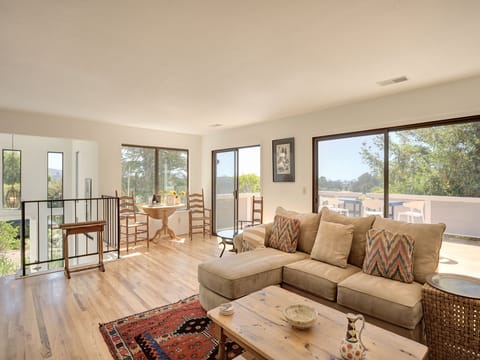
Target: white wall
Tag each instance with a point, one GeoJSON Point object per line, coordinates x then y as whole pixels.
{"type": "Point", "coordinates": [109, 139]}
{"type": "Point", "coordinates": [34, 151]}
{"type": "Point", "coordinates": [444, 101]}
{"type": "Point", "coordinates": [87, 167]}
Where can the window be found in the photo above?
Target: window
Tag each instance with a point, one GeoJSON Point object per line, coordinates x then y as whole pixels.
{"type": "Point", "coordinates": [55, 178]}
{"type": "Point", "coordinates": [427, 173]}
{"type": "Point", "coordinates": [12, 186]}
{"type": "Point", "coordinates": [147, 171]}
{"type": "Point", "coordinates": [345, 178]}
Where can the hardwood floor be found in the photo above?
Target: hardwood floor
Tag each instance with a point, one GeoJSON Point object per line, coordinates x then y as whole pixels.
{"type": "Point", "coordinates": [51, 317]}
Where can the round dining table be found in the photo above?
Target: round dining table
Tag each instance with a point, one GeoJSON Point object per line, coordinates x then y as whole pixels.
{"type": "Point", "coordinates": [162, 212]}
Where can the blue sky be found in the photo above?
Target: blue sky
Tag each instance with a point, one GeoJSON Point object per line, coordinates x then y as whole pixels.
{"type": "Point", "coordinates": [55, 161]}
{"type": "Point", "coordinates": [249, 162]}
{"type": "Point", "coordinates": [340, 159]}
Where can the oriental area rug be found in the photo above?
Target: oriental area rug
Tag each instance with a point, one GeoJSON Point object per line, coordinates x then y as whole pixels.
{"type": "Point", "coordinates": [177, 331]}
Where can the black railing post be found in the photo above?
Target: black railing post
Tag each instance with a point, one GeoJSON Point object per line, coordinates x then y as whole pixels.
{"type": "Point", "coordinates": [22, 236]}
{"type": "Point", "coordinates": [117, 208]}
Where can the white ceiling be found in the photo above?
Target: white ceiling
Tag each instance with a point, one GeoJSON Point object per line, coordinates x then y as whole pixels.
{"type": "Point", "coordinates": [184, 65]}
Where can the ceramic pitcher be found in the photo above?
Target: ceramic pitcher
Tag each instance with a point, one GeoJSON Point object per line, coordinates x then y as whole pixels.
{"type": "Point", "coordinates": [352, 348]}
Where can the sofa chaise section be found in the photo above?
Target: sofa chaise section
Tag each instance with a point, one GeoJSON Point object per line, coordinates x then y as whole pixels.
{"type": "Point", "coordinates": [226, 279]}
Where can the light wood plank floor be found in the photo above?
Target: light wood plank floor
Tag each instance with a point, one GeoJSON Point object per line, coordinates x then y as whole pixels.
{"type": "Point", "coordinates": [50, 317]}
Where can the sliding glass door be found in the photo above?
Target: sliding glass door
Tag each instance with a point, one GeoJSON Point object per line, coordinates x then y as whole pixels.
{"type": "Point", "coordinates": [225, 206]}
{"type": "Point", "coordinates": [236, 175]}
{"type": "Point", "coordinates": [423, 173]}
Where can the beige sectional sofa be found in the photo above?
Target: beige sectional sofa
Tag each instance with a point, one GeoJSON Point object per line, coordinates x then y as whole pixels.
{"type": "Point", "coordinates": [388, 303]}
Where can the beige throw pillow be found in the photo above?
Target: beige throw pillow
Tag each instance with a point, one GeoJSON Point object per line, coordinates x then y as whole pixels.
{"type": "Point", "coordinates": [333, 243]}
{"type": "Point", "coordinates": [361, 226]}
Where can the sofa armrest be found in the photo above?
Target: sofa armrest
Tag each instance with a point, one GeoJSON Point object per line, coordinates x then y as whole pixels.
{"type": "Point", "coordinates": [252, 237]}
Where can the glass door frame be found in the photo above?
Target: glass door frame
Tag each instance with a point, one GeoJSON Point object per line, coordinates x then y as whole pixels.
{"type": "Point", "coordinates": [214, 187]}
{"type": "Point", "coordinates": [237, 160]}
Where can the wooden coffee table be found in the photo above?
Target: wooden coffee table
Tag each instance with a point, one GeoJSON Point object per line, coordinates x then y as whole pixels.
{"type": "Point", "coordinates": [258, 325]}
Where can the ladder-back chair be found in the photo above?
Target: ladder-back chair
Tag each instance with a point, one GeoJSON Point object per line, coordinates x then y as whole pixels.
{"type": "Point", "coordinates": [132, 223]}
{"type": "Point", "coordinates": [257, 213]}
{"type": "Point", "coordinates": [200, 217]}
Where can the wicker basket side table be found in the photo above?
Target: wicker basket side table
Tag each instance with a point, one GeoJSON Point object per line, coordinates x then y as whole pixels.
{"type": "Point", "coordinates": [452, 325]}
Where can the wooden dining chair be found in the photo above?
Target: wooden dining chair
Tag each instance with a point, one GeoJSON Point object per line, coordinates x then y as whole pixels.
{"type": "Point", "coordinates": [132, 222]}
{"type": "Point", "coordinates": [199, 217]}
{"type": "Point", "coordinates": [257, 213]}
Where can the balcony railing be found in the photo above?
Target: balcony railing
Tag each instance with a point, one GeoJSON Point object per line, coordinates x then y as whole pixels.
{"type": "Point", "coordinates": [460, 214]}
{"type": "Point", "coordinates": [42, 240]}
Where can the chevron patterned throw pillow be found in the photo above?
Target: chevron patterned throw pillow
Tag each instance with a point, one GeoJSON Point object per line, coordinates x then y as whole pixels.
{"type": "Point", "coordinates": [389, 255]}
{"type": "Point", "coordinates": [285, 234]}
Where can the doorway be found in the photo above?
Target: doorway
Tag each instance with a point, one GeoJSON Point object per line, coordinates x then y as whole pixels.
{"type": "Point", "coordinates": [236, 179]}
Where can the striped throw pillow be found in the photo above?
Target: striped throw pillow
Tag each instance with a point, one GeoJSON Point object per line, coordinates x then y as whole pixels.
{"type": "Point", "coordinates": [389, 255]}
{"type": "Point", "coordinates": [285, 234]}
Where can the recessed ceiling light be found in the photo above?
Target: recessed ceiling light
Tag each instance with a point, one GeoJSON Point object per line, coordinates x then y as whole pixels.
{"type": "Point", "coordinates": [392, 81]}
{"type": "Point", "coordinates": [216, 125]}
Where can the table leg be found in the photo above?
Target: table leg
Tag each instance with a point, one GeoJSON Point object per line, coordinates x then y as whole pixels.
{"type": "Point", "coordinates": [158, 234]}
{"type": "Point", "coordinates": [165, 228]}
{"type": "Point", "coordinates": [171, 233]}
{"type": "Point", "coordinates": [222, 355]}
{"type": "Point", "coordinates": [164, 222]}
{"type": "Point", "coordinates": [164, 231]}
{"type": "Point", "coordinates": [65, 255]}
{"type": "Point", "coordinates": [224, 247]}
{"type": "Point", "coordinates": [100, 251]}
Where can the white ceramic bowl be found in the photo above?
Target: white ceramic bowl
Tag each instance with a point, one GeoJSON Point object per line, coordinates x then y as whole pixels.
{"type": "Point", "coordinates": [300, 316]}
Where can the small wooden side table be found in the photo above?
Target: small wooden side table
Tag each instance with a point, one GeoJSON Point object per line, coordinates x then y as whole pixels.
{"type": "Point", "coordinates": [83, 228]}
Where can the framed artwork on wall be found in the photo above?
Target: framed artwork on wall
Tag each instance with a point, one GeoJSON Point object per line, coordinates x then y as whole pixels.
{"type": "Point", "coordinates": [283, 160]}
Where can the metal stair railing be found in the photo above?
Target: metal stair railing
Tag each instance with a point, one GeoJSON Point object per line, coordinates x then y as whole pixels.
{"type": "Point", "coordinates": [41, 237]}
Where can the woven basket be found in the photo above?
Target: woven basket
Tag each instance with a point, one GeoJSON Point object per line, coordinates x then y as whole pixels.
{"type": "Point", "coordinates": [452, 325]}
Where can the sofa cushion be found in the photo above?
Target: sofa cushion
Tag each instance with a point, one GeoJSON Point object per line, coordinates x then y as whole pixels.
{"type": "Point", "coordinates": [252, 238]}
{"type": "Point", "coordinates": [333, 243]}
{"type": "Point", "coordinates": [236, 276]}
{"type": "Point", "coordinates": [285, 234]}
{"type": "Point", "coordinates": [392, 301]}
{"type": "Point", "coordinates": [428, 240]}
{"type": "Point", "coordinates": [361, 226]}
{"type": "Point", "coordinates": [316, 277]}
{"type": "Point", "coordinates": [389, 255]}
{"type": "Point", "coordinates": [308, 227]}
